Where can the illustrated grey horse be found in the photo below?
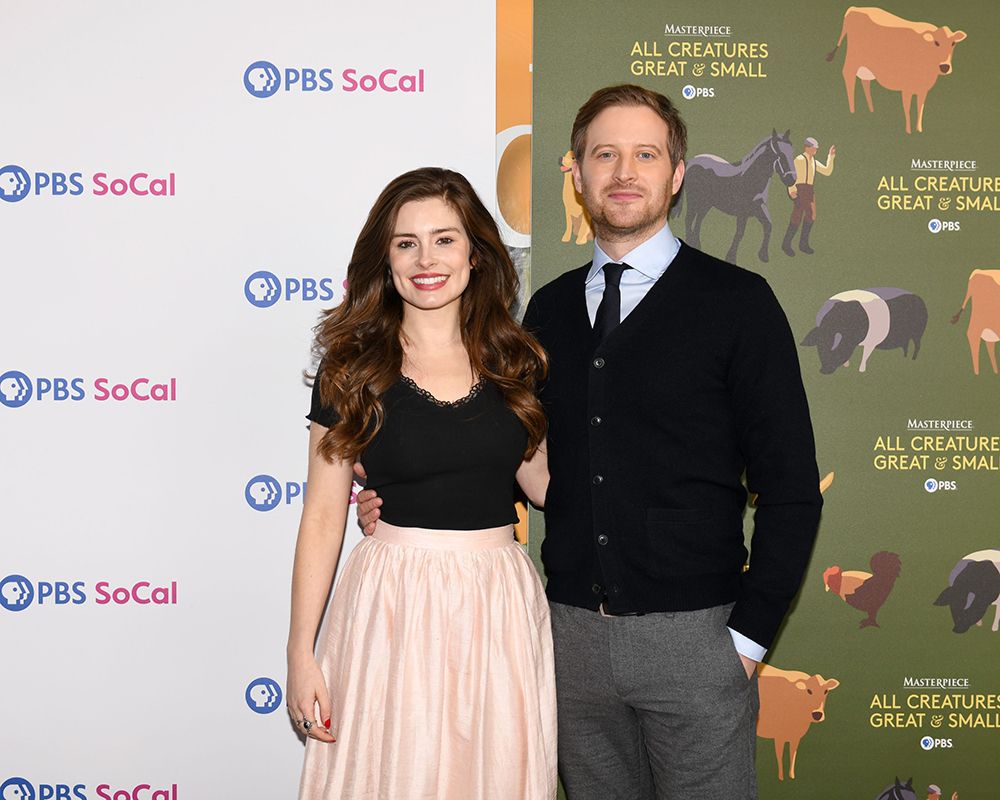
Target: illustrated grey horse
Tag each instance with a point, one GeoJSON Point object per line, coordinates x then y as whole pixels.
{"type": "Point", "coordinates": [739, 189]}
{"type": "Point", "coordinates": [899, 791]}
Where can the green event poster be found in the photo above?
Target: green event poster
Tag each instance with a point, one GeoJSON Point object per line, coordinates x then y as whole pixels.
{"type": "Point", "coordinates": [896, 312]}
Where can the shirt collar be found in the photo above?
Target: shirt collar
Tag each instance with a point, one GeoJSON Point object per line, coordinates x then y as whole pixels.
{"type": "Point", "coordinates": [651, 258]}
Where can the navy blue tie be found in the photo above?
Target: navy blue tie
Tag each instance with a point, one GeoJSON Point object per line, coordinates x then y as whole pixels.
{"type": "Point", "coordinates": [609, 312]}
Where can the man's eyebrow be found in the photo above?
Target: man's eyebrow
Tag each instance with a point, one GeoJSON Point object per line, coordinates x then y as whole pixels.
{"type": "Point", "coordinates": [640, 146]}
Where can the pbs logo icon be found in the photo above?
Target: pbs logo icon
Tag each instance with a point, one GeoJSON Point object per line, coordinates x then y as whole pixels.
{"type": "Point", "coordinates": [14, 183]}
{"type": "Point", "coordinates": [689, 92]}
{"type": "Point", "coordinates": [931, 485]}
{"type": "Point", "coordinates": [934, 226]}
{"type": "Point", "coordinates": [262, 79]}
{"type": "Point", "coordinates": [16, 594]}
{"type": "Point", "coordinates": [262, 289]}
{"type": "Point", "coordinates": [16, 789]}
{"type": "Point", "coordinates": [927, 743]}
{"type": "Point", "coordinates": [263, 695]}
{"type": "Point", "coordinates": [15, 389]}
{"type": "Point", "coordinates": [262, 493]}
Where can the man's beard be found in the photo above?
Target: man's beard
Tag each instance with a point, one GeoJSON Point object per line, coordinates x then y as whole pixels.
{"type": "Point", "coordinates": [606, 230]}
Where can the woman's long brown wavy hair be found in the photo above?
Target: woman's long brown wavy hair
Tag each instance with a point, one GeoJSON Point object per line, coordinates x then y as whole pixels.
{"type": "Point", "coordinates": [358, 342]}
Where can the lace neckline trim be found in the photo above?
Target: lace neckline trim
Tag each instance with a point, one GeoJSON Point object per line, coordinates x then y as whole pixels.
{"type": "Point", "coordinates": [472, 395]}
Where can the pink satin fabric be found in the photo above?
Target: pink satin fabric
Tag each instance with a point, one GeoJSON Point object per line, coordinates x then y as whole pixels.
{"type": "Point", "coordinates": [438, 654]}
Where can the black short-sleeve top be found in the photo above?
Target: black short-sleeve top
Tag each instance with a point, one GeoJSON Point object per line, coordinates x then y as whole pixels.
{"type": "Point", "coordinates": [442, 465]}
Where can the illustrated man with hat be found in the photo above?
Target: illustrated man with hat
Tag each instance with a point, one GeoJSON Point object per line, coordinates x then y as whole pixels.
{"type": "Point", "coordinates": [803, 195]}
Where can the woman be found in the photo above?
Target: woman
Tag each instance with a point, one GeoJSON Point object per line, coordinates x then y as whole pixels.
{"type": "Point", "coordinates": [435, 675]}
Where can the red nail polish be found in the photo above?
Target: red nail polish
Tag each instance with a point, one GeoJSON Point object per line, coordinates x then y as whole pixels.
{"type": "Point", "coordinates": [326, 724]}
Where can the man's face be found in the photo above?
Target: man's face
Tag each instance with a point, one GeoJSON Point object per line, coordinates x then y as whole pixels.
{"type": "Point", "coordinates": [624, 174]}
{"type": "Point", "coordinates": [812, 149]}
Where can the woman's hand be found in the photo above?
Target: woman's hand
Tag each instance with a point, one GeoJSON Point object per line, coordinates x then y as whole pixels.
{"type": "Point", "coordinates": [305, 690]}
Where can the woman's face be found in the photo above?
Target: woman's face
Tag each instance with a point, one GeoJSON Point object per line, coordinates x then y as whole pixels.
{"type": "Point", "coordinates": [429, 254]}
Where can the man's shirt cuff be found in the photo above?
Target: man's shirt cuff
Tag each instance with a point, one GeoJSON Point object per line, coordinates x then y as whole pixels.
{"type": "Point", "coordinates": [747, 647]}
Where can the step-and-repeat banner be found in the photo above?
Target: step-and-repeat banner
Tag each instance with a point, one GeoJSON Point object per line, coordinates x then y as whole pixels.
{"type": "Point", "coordinates": [181, 185]}
{"type": "Point", "coordinates": [889, 662]}
{"type": "Point", "coordinates": [180, 189]}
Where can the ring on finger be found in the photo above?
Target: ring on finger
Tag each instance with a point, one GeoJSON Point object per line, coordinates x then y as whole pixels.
{"type": "Point", "coordinates": [307, 724]}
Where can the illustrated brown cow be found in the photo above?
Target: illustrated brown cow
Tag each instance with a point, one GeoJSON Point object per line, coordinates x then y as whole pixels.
{"type": "Point", "coordinates": [984, 321]}
{"type": "Point", "coordinates": [903, 56]}
{"type": "Point", "coordinates": [789, 703]}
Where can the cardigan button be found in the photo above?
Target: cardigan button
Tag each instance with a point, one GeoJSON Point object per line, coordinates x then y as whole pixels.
{"type": "Point", "coordinates": [598, 480]}
{"type": "Point", "coordinates": [597, 589]}
{"type": "Point", "coordinates": [598, 362]}
{"type": "Point", "coordinates": [595, 421]}
{"type": "Point", "coordinates": [602, 539]}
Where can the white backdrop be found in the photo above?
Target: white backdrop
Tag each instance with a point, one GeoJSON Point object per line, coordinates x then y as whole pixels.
{"type": "Point", "coordinates": [102, 697]}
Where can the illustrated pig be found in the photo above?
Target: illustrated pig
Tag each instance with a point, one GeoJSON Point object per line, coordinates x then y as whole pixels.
{"type": "Point", "coordinates": [883, 319]}
{"type": "Point", "coordinates": [974, 584]}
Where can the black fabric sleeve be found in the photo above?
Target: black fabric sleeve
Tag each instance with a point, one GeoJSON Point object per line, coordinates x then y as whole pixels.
{"type": "Point", "coordinates": [319, 413]}
{"type": "Point", "coordinates": [776, 439]}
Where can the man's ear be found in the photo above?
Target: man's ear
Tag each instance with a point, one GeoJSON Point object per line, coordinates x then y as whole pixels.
{"type": "Point", "coordinates": [577, 175]}
{"type": "Point", "coordinates": [678, 177]}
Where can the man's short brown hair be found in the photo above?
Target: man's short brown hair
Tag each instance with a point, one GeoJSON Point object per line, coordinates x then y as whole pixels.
{"type": "Point", "coordinates": [628, 94]}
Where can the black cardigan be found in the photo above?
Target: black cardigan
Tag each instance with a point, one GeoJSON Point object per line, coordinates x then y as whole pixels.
{"type": "Point", "coordinates": [650, 434]}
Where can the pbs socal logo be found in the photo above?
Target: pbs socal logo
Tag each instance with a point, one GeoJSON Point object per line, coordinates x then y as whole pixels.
{"type": "Point", "coordinates": [263, 695]}
{"type": "Point", "coordinates": [15, 182]}
{"type": "Point", "coordinates": [263, 289]}
{"type": "Point", "coordinates": [16, 594]}
{"type": "Point", "coordinates": [21, 789]}
{"type": "Point", "coordinates": [262, 79]}
{"type": "Point", "coordinates": [15, 389]}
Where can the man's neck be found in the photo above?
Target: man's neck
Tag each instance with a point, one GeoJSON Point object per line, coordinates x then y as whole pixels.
{"type": "Point", "coordinates": [617, 248]}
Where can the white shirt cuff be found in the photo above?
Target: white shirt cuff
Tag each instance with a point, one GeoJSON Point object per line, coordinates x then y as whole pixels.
{"type": "Point", "coordinates": [747, 647]}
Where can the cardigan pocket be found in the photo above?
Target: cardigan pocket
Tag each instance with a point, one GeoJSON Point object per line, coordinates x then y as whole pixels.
{"type": "Point", "coordinates": [691, 541]}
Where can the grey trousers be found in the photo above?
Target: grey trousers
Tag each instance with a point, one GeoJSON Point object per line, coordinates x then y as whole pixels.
{"type": "Point", "coordinates": [653, 707]}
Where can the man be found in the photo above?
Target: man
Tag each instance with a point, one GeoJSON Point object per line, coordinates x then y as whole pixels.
{"type": "Point", "coordinates": [669, 378]}
{"type": "Point", "coordinates": [934, 793]}
{"type": "Point", "coordinates": [803, 195]}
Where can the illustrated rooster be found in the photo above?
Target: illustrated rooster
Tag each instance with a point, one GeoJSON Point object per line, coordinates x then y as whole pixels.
{"type": "Point", "coordinates": [866, 591]}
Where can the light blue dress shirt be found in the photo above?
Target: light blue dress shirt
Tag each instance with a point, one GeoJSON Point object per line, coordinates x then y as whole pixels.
{"type": "Point", "coordinates": [648, 262]}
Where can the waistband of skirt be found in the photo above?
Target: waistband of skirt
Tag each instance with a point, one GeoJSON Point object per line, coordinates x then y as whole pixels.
{"type": "Point", "coordinates": [432, 538]}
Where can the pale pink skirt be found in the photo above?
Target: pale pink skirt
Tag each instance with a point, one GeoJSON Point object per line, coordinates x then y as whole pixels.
{"type": "Point", "coordinates": [438, 655]}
